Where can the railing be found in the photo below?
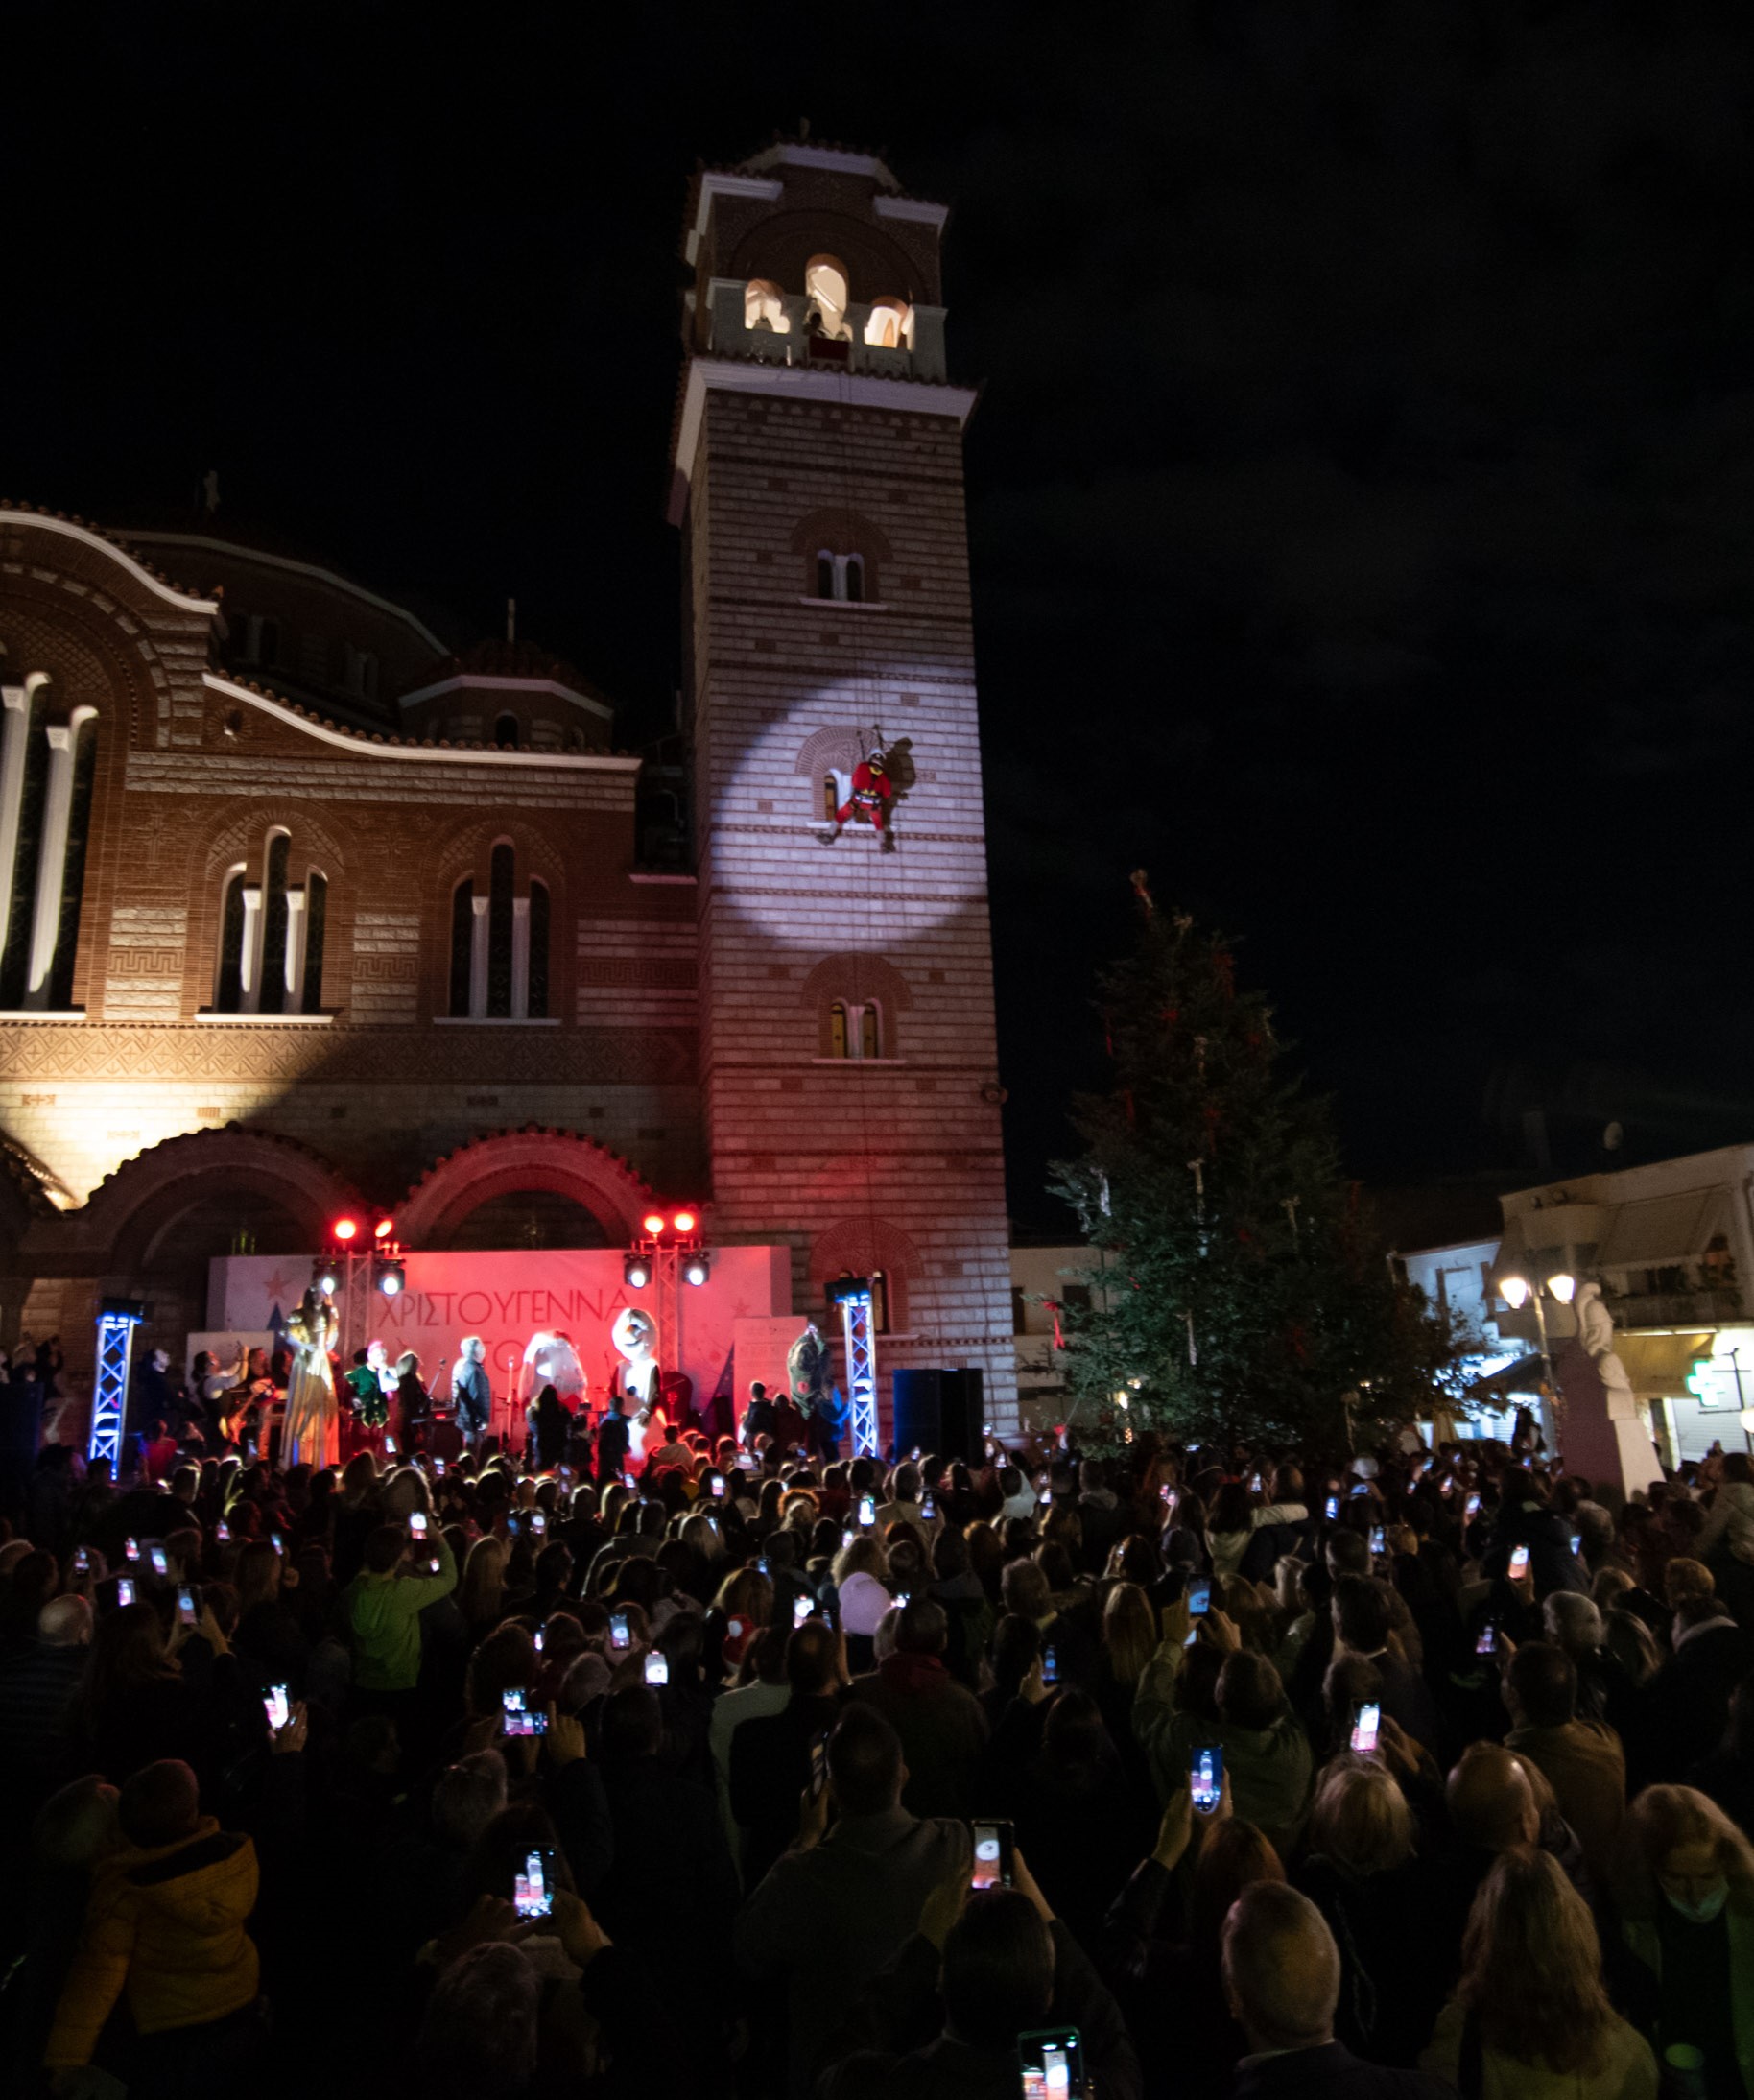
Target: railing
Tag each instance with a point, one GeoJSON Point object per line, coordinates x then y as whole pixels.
{"type": "Point", "coordinates": [1702, 1308]}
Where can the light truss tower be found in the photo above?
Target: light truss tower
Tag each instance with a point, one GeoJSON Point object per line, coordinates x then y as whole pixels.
{"type": "Point", "coordinates": [860, 1366]}
{"type": "Point", "coordinates": [116, 1323]}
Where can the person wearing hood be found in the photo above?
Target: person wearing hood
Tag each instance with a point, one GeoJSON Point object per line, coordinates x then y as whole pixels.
{"type": "Point", "coordinates": [941, 1725]}
{"type": "Point", "coordinates": [165, 1928]}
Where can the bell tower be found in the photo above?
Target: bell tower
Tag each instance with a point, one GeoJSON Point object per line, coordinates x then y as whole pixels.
{"type": "Point", "coordinates": [848, 1062]}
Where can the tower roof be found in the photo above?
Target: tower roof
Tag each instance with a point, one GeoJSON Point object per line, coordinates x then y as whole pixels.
{"type": "Point", "coordinates": [805, 152]}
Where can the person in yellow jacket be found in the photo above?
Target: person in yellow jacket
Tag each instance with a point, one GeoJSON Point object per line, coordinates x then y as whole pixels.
{"type": "Point", "coordinates": [165, 1928]}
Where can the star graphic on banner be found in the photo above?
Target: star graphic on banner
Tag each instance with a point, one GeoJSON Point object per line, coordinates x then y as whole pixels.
{"type": "Point", "coordinates": [277, 1286]}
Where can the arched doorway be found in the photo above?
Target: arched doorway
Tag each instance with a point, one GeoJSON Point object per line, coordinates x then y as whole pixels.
{"type": "Point", "coordinates": [533, 1219]}
{"type": "Point", "coordinates": [564, 1189]}
{"type": "Point", "coordinates": [157, 1223]}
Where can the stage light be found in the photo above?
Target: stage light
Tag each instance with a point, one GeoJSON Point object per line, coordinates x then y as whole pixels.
{"type": "Point", "coordinates": [344, 1229]}
{"type": "Point", "coordinates": [383, 1228]}
{"type": "Point", "coordinates": [697, 1269]}
{"type": "Point", "coordinates": [653, 1224]}
{"type": "Point", "coordinates": [324, 1280]}
{"type": "Point", "coordinates": [392, 1276]}
{"type": "Point", "coordinates": [685, 1220]}
{"type": "Point", "coordinates": [637, 1272]}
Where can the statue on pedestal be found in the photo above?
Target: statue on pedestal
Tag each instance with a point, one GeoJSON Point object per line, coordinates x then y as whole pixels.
{"type": "Point", "coordinates": [1600, 1435]}
{"type": "Point", "coordinates": [1596, 1337]}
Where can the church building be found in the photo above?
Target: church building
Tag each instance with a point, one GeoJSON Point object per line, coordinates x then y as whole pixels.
{"type": "Point", "coordinates": [306, 914]}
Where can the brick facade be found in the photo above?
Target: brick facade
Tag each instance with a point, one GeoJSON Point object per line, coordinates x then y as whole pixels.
{"type": "Point", "coordinates": [203, 784]}
{"type": "Point", "coordinates": [891, 1161]}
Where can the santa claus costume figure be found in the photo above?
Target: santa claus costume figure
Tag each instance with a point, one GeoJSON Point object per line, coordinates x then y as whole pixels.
{"type": "Point", "coordinates": [869, 795]}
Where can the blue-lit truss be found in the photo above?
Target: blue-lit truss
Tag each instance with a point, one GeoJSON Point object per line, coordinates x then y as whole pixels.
{"type": "Point", "coordinates": [109, 1395]}
{"type": "Point", "coordinates": [860, 1368]}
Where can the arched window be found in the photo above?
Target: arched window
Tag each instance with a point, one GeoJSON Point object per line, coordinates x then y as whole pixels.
{"type": "Point", "coordinates": [228, 989]}
{"type": "Point", "coordinates": [889, 324]}
{"type": "Point", "coordinates": [462, 946]}
{"type": "Point", "coordinates": [826, 281]}
{"type": "Point", "coordinates": [840, 555]}
{"type": "Point", "coordinates": [271, 935]}
{"type": "Point", "coordinates": [853, 1001]}
{"type": "Point", "coordinates": [831, 797]}
{"type": "Point", "coordinates": [536, 1001]}
{"type": "Point", "coordinates": [499, 946]}
{"type": "Point", "coordinates": [880, 1298]}
{"type": "Point", "coordinates": [499, 933]}
{"type": "Point", "coordinates": [840, 576]}
{"type": "Point", "coordinates": [275, 924]}
{"type": "Point", "coordinates": [316, 915]}
{"type": "Point", "coordinates": [764, 307]}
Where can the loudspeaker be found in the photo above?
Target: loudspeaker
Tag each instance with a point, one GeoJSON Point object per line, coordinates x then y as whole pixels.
{"type": "Point", "coordinates": [918, 1411]}
{"type": "Point", "coordinates": [963, 1431]}
{"type": "Point", "coordinates": [942, 1412]}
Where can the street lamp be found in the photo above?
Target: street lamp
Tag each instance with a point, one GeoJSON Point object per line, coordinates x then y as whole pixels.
{"type": "Point", "coordinates": [1517, 1291]}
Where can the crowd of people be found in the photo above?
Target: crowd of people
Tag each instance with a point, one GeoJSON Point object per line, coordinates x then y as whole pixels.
{"type": "Point", "coordinates": [1184, 1772]}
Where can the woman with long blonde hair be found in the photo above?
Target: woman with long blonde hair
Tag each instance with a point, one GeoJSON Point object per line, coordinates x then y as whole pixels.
{"type": "Point", "coordinates": [481, 1594]}
{"type": "Point", "coordinates": [1530, 2018]}
{"type": "Point", "coordinates": [1129, 1635]}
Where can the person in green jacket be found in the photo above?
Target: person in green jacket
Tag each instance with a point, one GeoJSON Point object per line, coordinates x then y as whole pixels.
{"type": "Point", "coordinates": [382, 1606]}
{"type": "Point", "coordinates": [1267, 1754]}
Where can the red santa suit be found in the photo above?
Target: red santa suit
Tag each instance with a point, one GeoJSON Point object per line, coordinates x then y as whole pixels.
{"type": "Point", "coordinates": [870, 791]}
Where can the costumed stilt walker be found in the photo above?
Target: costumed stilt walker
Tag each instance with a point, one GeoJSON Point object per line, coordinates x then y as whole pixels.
{"type": "Point", "coordinates": [627, 1428]}
{"type": "Point", "coordinates": [311, 1430]}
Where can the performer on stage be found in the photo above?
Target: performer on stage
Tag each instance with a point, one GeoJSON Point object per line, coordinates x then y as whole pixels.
{"type": "Point", "coordinates": [410, 1403]}
{"type": "Point", "coordinates": [472, 1390]}
{"type": "Point", "coordinates": [810, 1374]}
{"type": "Point", "coordinates": [758, 1419]}
{"type": "Point", "coordinates": [371, 1385]}
{"type": "Point", "coordinates": [622, 1438]}
{"type": "Point", "coordinates": [311, 1431]}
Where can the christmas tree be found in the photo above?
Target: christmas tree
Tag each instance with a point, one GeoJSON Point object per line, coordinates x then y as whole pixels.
{"type": "Point", "coordinates": [1237, 1292]}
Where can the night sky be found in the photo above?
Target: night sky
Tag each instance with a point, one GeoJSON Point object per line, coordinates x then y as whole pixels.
{"type": "Point", "coordinates": [1361, 492]}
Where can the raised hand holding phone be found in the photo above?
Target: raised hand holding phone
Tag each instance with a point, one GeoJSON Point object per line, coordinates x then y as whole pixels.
{"type": "Point", "coordinates": [994, 1856]}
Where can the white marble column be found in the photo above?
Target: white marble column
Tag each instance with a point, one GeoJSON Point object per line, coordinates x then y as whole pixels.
{"type": "Point", "coordinates": [520, 958]}
{"type": "Point", "coordinates": [51, 855]}
{"type": "Point", "coordinates": [249, 951]}
{"type": "Point", "coordinates": [296, 929]}
{"type": "Point", "coordinates": [477, 960]}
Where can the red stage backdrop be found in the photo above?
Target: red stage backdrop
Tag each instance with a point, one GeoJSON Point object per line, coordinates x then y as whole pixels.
{"type": "Point", "coordinates": [507, 1297]}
